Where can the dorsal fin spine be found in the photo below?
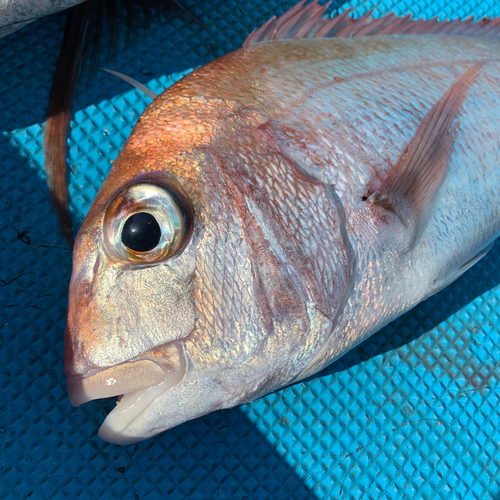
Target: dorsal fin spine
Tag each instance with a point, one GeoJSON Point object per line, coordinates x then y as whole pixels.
{"type": "Point", "coordinates": [306, 21]}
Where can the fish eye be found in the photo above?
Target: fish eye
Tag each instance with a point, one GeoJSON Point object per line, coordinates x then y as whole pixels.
{"type": "Point", "coordinates": [141, 232]}
{"type": "Point", "coordinates": [144, 223]}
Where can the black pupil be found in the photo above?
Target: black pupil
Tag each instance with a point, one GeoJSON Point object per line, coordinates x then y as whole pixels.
{"type": "Point", "coordinates": [141, 232]}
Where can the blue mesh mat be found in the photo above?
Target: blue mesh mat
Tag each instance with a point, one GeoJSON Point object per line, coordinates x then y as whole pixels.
{"type": "Point", "coordinates": [413, 412]}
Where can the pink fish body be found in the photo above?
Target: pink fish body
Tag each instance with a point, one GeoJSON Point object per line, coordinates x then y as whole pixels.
{"type": "Point", "coordinates": [303, 193]}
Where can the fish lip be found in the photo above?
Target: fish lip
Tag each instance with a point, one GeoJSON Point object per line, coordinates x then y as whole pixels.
{"type": "Point", "coordinates": [131, 376]}
{"type": "Point", "coordinates": [131, 405]}
{"type": "Point", "coordinates": [82, 388]}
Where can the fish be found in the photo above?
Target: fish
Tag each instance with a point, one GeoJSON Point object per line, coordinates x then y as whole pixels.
{"type": "Point", "coordinates": [16, 14]}
{"type": "Point", "coordinates": [279, 205]}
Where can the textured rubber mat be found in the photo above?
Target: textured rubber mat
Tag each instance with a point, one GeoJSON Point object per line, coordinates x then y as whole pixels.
{"type": "Point", "coordinates": [414, 412]}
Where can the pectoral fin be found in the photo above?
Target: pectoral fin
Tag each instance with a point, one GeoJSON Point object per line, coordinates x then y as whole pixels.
{"type": "Point", "coordinates": [407, 196]}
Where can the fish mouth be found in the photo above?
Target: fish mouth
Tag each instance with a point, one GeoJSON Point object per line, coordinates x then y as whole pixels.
{"type": "Point", "coordinates": [136, 383]}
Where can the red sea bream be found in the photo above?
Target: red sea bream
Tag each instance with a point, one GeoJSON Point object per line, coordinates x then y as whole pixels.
{"type": "Point", "coordinates": [279, 205]}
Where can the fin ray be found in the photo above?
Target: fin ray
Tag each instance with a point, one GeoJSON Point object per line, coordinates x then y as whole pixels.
{"type": "Point", "coordinates": [306, 21]}
{"type": "Point", "coordinates": [61, 100]}
{"type": "Point", "coordinates": [139, 86]}
{"type": "Point", "coordinates": [410, 190]}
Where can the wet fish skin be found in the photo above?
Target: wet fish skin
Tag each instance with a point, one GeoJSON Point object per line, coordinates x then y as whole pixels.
{"type": "Point", "coordinates": [276, 152]}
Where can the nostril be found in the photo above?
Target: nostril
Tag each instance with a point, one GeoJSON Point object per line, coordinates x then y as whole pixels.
{"type": "Point", "coordinates": [69, 354]}
{"type": "Point", "coordinates": [84, 294]}
{"type": "Point", "coordinates": [85, 288]}
{"type": "Point", "coordinates": [75, 363]}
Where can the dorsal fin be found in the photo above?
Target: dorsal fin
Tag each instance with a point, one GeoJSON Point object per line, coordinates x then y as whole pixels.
{"type": "Point", "coordinates": [306, 21]}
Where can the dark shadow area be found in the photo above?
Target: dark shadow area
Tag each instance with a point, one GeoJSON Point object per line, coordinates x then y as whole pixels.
{"type": "Point", "coordinates": [221, 455]}
{"type": "Point", "coordinates": [34, 276]}
{"type": "Point", "coordinates": [37, 81]}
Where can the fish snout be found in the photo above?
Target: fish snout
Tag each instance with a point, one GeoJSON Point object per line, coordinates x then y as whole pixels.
{"type": "Point", "coordinates": [164, 366]}
{"type": "Point", "coordinates": [80, 301]}
{"type": "Point", "coordinates": [113, 381]}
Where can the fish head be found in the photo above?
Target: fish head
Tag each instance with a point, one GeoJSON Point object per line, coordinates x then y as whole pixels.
{"type": "Point", "coordinates": [185, 296]}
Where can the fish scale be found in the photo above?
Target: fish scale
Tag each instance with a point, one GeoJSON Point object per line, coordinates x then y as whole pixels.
{"type": "Point", "coordinates": [212, 266]}
{"type": "Point", "coordinates": [300, 222]}
{"type": "Point", "coordinates": [356, 130]}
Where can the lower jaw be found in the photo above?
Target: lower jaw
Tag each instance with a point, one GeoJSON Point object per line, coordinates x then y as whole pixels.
{"type": "Point", "coordinates": [136, 383]}
{"type": "Point", "coordinates": [128, 408]}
